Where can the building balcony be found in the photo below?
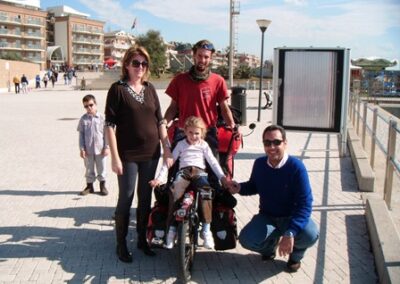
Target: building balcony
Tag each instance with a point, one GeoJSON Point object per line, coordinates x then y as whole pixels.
{"type": "Point", "coordinates": [120, 46]}
{"type": "Point", "coordinates": [88, 58]}
{"type": "Point", "coordinates": [87, 41]}
{"type": "Point", "coordinates": [87, 61]}
{"type": "Point", "coordinates": [34, 22]}
{"type": "Point", "coordinates": [87, 31]}
{"type": "Point", "coordinates": [33, 35]}
{"type": "Point", "coordinates": [33, 47]}
{"type": "Point", "coordinates": [87, 51]}
{"type": "Point", "coordinates": [10, 33]}
{"type": "Point", "coordinates": [118, 53]}
{"type": "Point", "coordinates": [82, 51]}
{"type": "Point", "coordinates": [10, 46]}
{"type": "Point", "coordinates": [35, 59]}
{"type": "Point", "coordinates": [10, 20]}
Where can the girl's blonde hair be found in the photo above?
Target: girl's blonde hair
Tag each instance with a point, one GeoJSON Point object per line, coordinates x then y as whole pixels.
{"type": "Point", "coordinates": [128, 57]}
{"type": "Point", "coordinates": [198, 122]}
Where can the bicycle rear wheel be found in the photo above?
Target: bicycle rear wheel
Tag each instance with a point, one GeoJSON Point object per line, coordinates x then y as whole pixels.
{"type": "Point", "coordinates": [186, 249]}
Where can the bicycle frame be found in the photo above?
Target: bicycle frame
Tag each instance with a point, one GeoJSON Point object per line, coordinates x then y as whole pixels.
{"type": "Point", "coordinates": [188, 229]}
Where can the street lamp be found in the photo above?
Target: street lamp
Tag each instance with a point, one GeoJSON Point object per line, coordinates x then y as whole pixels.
{"type": "Point", "coordinates": [263, 24]}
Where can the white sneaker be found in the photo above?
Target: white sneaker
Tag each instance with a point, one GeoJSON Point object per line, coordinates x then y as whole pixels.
{"type": "Point", "coordinates": [170, 238]}
{"type": "Point", "coordinates": [208, 239]}
{"type": "Point", "coordinates": [157, 241]}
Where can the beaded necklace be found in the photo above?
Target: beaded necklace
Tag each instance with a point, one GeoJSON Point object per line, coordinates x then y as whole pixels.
{"type": "Point", "coordinates": [139, 97]}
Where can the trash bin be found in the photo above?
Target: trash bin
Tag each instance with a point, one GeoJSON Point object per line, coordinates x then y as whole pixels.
{"type": "Point", "coordinates": [238, 101]}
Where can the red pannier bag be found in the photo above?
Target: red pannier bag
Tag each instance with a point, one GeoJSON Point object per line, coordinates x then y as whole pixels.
{"type": "Point", "coordinates": [224, 227]}
{"type": "Point", "coordinates": [156, 226]}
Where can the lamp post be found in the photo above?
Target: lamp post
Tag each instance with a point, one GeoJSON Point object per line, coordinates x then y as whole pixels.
{"type": "Point", "coordinates": [263, 24]}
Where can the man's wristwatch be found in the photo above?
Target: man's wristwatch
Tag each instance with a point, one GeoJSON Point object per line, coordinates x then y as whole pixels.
{"type": "Point", "coordinates": [288, 234]}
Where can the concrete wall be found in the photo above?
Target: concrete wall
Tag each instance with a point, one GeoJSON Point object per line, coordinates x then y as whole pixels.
{"type": "Point", "coordinates": [17, 68]}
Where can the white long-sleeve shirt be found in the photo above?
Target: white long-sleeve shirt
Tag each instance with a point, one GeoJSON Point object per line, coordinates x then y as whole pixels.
{"type": "Point", "coordinates": [193, 156]}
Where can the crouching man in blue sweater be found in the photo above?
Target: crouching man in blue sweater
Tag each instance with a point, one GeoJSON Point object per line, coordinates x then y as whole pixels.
{"type": "Point", "coordinates": [283, 222]}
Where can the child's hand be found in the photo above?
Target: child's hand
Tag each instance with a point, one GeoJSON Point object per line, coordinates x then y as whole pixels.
{"type": "Point", "coordinates": [154, 182]}
{"type": "Point", "coordinates": [83, 154]}
{"type": "Point", "coordinates": [225, 182]}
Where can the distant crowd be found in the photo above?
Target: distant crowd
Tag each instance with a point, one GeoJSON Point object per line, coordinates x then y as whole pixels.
{"type": "Point", "coordinates": [21, 84]}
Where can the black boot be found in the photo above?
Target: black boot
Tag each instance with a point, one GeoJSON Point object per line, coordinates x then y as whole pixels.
{"type": "Point", "coordinates": [103, 189]}
{"type": "Point", "coordinates": [144, 246]}
{"type": "Point", "coordinates": [88, 189]}
{"type": "Point", "coordinates": [121, 229]}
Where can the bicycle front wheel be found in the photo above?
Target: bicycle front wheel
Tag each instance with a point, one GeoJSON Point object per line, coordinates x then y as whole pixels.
{"type": "Point", "coordinates": [186, 249]}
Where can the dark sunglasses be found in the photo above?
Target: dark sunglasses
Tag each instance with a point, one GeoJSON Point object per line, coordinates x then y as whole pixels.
{"type": "Point", "coordinates": [268, 143]}
{"type": "Point", "coordinates": [137, 63]}
{"type": "Point", "coordinates": [89, 105]}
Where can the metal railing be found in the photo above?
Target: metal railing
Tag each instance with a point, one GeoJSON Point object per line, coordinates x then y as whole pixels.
{"type": "Point", "coordinates": [383, 131]}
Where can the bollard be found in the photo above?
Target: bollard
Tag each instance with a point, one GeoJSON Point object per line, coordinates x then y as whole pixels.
{"type": "Point", "coordinates": [83, 84]}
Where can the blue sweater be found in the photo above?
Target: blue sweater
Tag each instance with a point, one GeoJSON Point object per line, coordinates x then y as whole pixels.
{"type": "Point", "coordinates": [284, 192]}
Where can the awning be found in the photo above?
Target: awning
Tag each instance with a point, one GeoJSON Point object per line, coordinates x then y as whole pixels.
{"type": "Point", "coordinates": [110, 62]}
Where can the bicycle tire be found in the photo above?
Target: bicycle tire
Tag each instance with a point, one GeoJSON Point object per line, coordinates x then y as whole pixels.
{"type": "Point", "coordinates": [186, 250]}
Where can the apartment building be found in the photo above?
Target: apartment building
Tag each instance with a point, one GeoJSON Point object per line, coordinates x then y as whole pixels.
{"type": "Point", "coordinates": [115, 45]}
{"type": "Point", "coordinates": [247, 59]}
{"type": "Point", "coordinates": [23, 32]}
{"type": "Point", "coordinates": [80, 38]}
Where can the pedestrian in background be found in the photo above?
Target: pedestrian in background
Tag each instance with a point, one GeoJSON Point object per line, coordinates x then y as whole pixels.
{"type": "Point", "coordinates": [16, 82]}
{"type": "Point", "coordinates": [37, 80]}
{"type": "Point", "coordinates": [53, 79]}
{"type": "Point", "coordinates": [45, 79]}
{"type": "Point", "coordinates": [24, 84]}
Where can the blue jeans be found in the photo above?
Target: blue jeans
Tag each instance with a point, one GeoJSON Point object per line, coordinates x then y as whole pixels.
{"type": "Point", "coordinates": [126, 182]}
{"type": "Point", "coordinates": [263, 232]}
{"type": "Point", "coordinates": [186, 176]}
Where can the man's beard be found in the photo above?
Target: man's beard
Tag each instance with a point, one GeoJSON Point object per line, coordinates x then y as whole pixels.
{"type": "Point", "coordinates": [201, 68]}
{"type": "Point", "coordinates": [199, 75]}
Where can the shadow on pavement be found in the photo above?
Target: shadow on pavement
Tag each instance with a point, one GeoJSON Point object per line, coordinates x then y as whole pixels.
{"type": "Point", "coordinates": [84, 215]}
{"type": "Point", "coordinates": [90, 254]}
{"type": "Point", "coordinates": [35, 192]}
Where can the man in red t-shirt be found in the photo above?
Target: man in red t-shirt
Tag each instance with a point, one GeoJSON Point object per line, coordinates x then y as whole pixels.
{"type": "Point", "coordinates": [199, 91]}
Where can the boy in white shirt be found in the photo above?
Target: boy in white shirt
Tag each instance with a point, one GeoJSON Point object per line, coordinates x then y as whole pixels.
{"type": "Point", "coordinates": [93, 146]}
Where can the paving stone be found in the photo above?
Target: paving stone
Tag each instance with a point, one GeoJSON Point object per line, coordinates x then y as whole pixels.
{"type": "Point", "coordinates": [50, 234]}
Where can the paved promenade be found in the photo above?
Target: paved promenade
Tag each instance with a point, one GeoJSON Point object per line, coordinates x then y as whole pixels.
{"type": "Point", "coordinates": [50, 234]}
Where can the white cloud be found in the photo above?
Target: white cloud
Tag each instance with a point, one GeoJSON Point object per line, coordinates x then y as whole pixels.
{"type": "Point", "coordinates": [352, 24]}
{"type": "Point", "coordinates": [296, 2]}
{"type": "Point", "coordinates": [361, 26]}
{"type": "Point", "coordinates": [212, 14]}
{"type": "Point", "coordinates": [111, 12]}
{"type": "Point", "coordinates": [355, 20]}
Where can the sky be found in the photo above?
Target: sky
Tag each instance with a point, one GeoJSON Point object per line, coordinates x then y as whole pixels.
{"type": "Point", "coordinates": [367, 28]}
